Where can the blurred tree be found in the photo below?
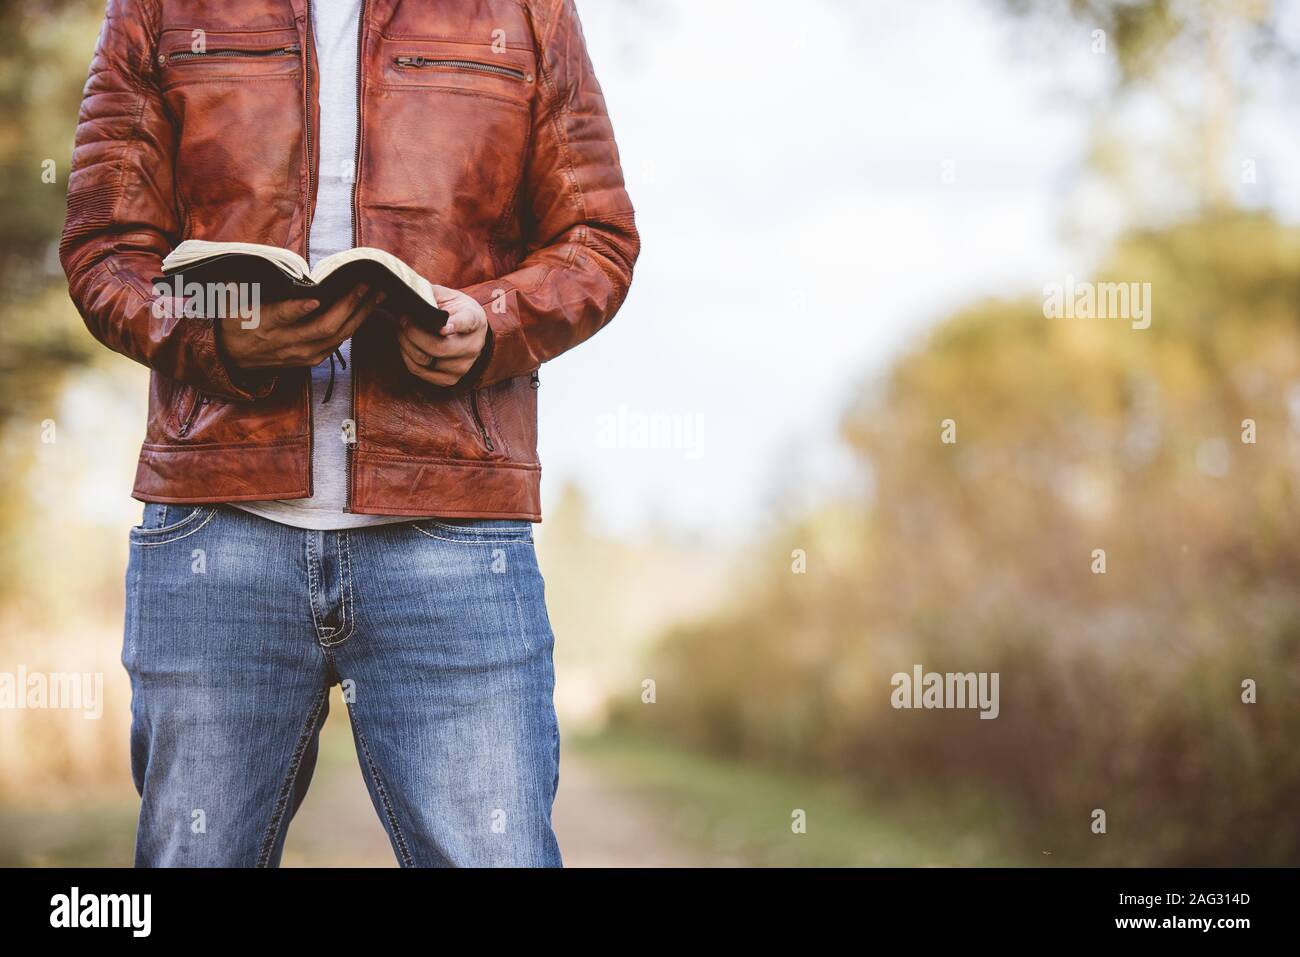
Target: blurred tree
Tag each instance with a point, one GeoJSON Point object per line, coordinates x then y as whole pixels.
{"type": "Point", "coordinates": [1119, 689]}
{"type": "Point", "coordinates": [45, 48]}
{"type": "Point", "coordinates": [1196, 63]}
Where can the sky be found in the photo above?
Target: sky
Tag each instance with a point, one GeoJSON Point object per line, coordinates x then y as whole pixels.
{"type": "Point", "coordinates": [813, 190]}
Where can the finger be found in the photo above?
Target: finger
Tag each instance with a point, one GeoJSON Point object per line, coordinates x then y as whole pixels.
{"type": "Point", "coordinates": [447, 379]}
{"type": "Point", "coordinates": [470, 343]}
{"type": "Point", "coordinates": [358, 314]}
{"type": "Point", "coordinates": [419, 371]}
{"type": "Point", "coordinates": [419, 337]}
{"type": "Point", "coordinates": [458, 347]}
{"type": "Point", "coordinates": [338, 315]}
{"type": "Point", "coordinates": [439, 376]}
{"type": "Point", "coordinates": [286, 312]}
{"type": "Point", "coordinates": [452, 371]}
{"type": "Point", "coordinates": [331, 338]}
{"type": "Point", "coordinates": [308, 356]}
{"type": "Point", "coordinates": [463, 321]}
{"type": "Point", "coordinates": [295, 309]}
{"type": "Point", "coordinates": [414, 352]}
{"type": "Point", "coordinates": [363, 312]}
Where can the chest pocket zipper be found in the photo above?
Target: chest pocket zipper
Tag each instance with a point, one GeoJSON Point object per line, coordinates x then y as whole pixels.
{"type": "Point", "coordinates": [186, 55]}
{"type": "Point", "coordinates": [471, 66]}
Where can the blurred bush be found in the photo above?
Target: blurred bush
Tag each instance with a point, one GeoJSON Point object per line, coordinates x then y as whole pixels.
{"type": "Point", "coordinates": [1119, 691]}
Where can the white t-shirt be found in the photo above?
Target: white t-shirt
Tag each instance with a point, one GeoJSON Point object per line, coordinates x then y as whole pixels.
{"type": "Point", "coordinates": [335, 32]}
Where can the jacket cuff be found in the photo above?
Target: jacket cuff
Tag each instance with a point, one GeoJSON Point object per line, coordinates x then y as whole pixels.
{"type": "Point", "coordinates": [505, 355]}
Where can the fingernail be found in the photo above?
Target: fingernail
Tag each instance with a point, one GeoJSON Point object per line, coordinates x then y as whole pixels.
{"type": "Point", "coordinates": [311, 305]}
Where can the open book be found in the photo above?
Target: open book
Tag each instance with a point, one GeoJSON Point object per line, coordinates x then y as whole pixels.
{"type": "Point", "coordinates": [283, 274]}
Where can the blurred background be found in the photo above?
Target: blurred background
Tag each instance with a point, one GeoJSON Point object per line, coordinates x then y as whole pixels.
{"type": "Point", "coordinates": [851, 212]}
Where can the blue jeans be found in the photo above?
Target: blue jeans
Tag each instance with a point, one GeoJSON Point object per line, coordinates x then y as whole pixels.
{"type": "Point", "coordinates": [236, 628]}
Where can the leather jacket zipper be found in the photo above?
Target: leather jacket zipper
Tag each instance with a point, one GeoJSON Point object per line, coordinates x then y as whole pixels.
{"type": "Point", "coordinates": [306, 131]}
{"type": "Point", "coordinates": [472, 66]}
{"type": "Point", "coordinates": [478, 420]}
{"type": "Point", "coordinates": [185, 55]}
{"type": "Point", "coordinates": [306, 230]}
{"type": "Point", "coordinates": [198, 401]}
{"type": "Point", "coordinates": [351, 464]}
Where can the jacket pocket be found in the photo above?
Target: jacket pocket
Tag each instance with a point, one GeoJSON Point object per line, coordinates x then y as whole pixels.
{"type": "Point", "coordinates": [465, 114]}
{"type": "Point", "coordinates": [466, 66]}
{"type": "Point", "coordinates": [236, 88]}
{"type": "Point", "coordinates": [193, 518]}
{"type": "Point", "coordinates": [221, 55]}
{"type": "Point", "coordinates": [205, 55]}
{"type": "Point", "coordinates": [476, 531]}
{"type": "Point", "coordinates": [477, 403]}
{"type": "Point", "coordinates": [479, 68]}
{"type": "Point", "coordinates": [189, 402]}
{"type": "Point", "coordinates": [510, 411]}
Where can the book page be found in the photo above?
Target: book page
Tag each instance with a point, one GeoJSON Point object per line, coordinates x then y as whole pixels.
{"type": "Point", "coordinates": [193, 251]}
{"type": "Point", "coordinates": [418, 284]}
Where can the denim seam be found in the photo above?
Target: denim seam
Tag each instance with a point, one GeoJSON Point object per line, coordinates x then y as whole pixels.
{"type": "Point", "coordinates": [211, 516]}
{"type": "Point", "coordinates": [466, 541]}
{"type": "Point", "coordinates": [499, 528]}
{"type": "Point", "coordinates": [322, 631]}
{"type": "Point", "coordinates": [521, 623]}
{"type": "Point", "coordinates": [398, 836]}
{"type": "Point", "coordinates": [555, 759]}
{"type": "Point", "coordinates": [278, 818]}
{"type": "Point", "coordinates": [162, 528]}
{"type": "Point", "coordinates": [345, 599]}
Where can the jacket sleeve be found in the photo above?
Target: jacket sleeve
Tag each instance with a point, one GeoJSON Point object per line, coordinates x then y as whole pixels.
{"type": "Point", "coordinates": [583, 234]}
{"type": "Point", "coordinates": [122, 216]}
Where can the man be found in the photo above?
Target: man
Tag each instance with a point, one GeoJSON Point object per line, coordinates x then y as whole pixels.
{"type": "Point", "coordinates": [365, 521]}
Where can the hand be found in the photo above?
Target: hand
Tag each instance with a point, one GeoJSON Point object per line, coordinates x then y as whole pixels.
{"type": "Point", "coordinates": [442, 358]}
{"type": "Point", "coordinates": [287, 335]}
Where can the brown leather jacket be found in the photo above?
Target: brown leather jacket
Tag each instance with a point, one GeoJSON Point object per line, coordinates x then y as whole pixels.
{"type": "Point", "coordinates": [485, 159]}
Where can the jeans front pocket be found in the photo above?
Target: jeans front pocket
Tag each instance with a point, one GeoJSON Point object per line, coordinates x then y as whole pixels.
{"type": "Point", "coordinates": [163, 524]}
{"type": "Point", "coordinates": [476, 531]}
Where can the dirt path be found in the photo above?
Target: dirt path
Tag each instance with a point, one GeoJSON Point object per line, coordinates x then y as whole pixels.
{"type": "Point", "coordinates": [598, 823]}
